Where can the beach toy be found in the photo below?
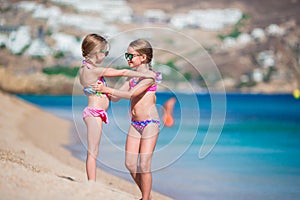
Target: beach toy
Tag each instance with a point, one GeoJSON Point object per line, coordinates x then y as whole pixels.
{"type": "Point", "coordinates": [296, 94]}
{"type": "Point", "coordinates": [168, 118]}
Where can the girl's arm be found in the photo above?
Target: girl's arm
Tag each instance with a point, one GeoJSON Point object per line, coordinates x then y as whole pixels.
{"type": "Point", "coordinates": [137, 90]}
{"type": "Point", "coordinates": [111, 72]}
{"type": "Point", "coordinates": [124, 87]}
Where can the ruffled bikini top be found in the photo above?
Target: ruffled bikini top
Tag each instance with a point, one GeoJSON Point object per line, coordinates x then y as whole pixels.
{"type": "Point", "coordinates": [88, 90]}
{"type": "Point", "coordinates": [134, 81]}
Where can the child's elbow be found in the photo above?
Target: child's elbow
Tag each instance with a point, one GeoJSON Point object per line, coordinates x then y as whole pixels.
{"type": "Point", "coordinates": [124, 72]}
{"type": "Point", "coordinates": [135, 94]}
{"type": "Point", "coordinates": [132, 95]}
{"type": "Point", "coordinates": [114, 99]}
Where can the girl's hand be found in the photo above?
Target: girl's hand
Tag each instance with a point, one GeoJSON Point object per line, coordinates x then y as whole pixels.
{"type": "Point", "coordinates": [98, 87]}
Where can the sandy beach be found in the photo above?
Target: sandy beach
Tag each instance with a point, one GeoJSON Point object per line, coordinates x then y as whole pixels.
{"type": "Point", "coordinates": [36, 165]}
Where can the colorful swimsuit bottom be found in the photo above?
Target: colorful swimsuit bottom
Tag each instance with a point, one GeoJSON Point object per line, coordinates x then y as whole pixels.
{"type": "Point", "coordinates": [95, 112]}
{"type": "Point", "coordinates": [140, 125]}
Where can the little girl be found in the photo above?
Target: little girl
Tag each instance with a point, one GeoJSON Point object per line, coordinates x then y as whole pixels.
{"type": "Point", "coordinates": [94, 49]}
{"type": "Point", "coordinates": [144, 124]}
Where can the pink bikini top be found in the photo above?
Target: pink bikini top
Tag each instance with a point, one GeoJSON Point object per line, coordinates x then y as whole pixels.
{"type": "Point", "coordinates": [133, 83]}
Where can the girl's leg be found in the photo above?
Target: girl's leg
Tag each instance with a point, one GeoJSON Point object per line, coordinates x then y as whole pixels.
{"type": "Point", "coordinates": [132, 154]}
{"type": "Point", "coordinates": [148, 143]}
{"type": "Point", "coordinates": [94, 130]}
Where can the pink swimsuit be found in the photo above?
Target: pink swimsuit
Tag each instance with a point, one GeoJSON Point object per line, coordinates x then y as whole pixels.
{"type": "Point", "coordinates": [90, 111]}
{"type": "Point", "coordinates": [133, 83]}
{"type": "Point", "coordinates": [140, 125]}
{"type": "Point", "coordinates": [95, 112]}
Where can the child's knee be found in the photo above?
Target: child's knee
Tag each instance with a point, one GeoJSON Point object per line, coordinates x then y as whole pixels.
{"type": "Point", "coordinates": [145, 165]}
{"type": "Point", "coordinates": [131, 166]}
{"type": "Point", "coordinates": [93, 151]}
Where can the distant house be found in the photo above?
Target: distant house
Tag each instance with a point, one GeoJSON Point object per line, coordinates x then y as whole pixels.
{"type": "Point", "coordinates": [275, 30]}
{"type": "Point", "coordinates": [155, 16]}
{"type": "Point", "coordinates": [38, 48]}
{"type": "Point", "coordinates": [258, 75]}
{"type": "Point", "coordinates": [3, 40]}
{"type": "Point", "coordinates": [266, 59]}
{"type": "Point", "coordinates": [210, 19]}
{"type": "Point", "coordinates": [258, 34]}
{"type": "Point", "coordinates": [244, 39]}
{"type": "Point", "coordinates": [19, 39]}
{"type": "Point", "coordinates": [117, 10]}
{"type": "Point", "coordinates": [81, 22]}
{"type": "Point", "coordinates": [67, 43]}
{"type": "Point", "coordinates": [8, 29]}
{"type": "Point", "coordinates": [107, 10]}
{"type": "Point", "coordinates": [179, 21]}
{"type": "Point", "coordinates": [240, 41]}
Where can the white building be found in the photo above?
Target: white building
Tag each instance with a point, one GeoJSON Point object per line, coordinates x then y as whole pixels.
{"type": "Point", "coordinates": [243, 39]}
{"type": "Point", "coordinates": [258, 34]}
{"type": "Point", "coordinates": [67, 43]}
{"type": "Point", "coordinates": [81, 22]}
{"type": "Point", "coordinates": [257, 75]}
{"type": "Point", "coordinates": [275, 30]}
{"type": "Point", "coordinates": [116, 10]}
{"type": "Point", "coordinates": [210, 19]}
{"type": "Point", "coordinates": [28, 6]}
{"type": "Point", "coordinates": [179, 21]}
{"type": "Point", "coordinates": [229, 42]}
{"type": "Point", "coordinates": [19, 39]}
{"type": "Point", "coordinates": [266, 58]}
{"type": "Point", "coordinates": [156, 15]}
{"type": "Point", "coordinates": [38, 48]}
{"type": "Point", "coordinates": [3, 40]}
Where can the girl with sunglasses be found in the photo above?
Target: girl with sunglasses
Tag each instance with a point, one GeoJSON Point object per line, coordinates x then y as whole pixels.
{"type": "Point", "coordinates": [144, 126]}
{"type": "Point", "coordinates": [94, 49]}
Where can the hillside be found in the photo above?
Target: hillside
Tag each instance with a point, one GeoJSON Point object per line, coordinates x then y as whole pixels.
{"type": "Point", "coordinates": [197, 55]}
{"type": "Point", "coordinates": [237, 64]}
{"type": "Point", "coordinates": [262, 12]}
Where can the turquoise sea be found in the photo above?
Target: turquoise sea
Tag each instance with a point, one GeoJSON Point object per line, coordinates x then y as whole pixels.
{"type": "Point", "coordinates": [254, 142]}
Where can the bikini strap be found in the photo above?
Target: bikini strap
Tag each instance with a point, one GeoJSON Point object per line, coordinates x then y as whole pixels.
{"type": "Point", "coordinates": [85, 63]}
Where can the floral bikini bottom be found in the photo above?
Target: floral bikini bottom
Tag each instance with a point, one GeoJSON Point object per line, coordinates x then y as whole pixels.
{"type": "Point", "coordinates": [140, 125]}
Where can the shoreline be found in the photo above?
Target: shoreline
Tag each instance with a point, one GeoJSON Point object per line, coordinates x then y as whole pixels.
{"type": "Point", "coordinates": [36, 164]}
{"type": "Point", "coordinates": [42, 84]}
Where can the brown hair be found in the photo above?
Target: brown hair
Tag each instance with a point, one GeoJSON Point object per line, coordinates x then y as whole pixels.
{"type": "Point", "coordinates": [91, 44]}
{"type": "Point", "coordinates": [143, 47]}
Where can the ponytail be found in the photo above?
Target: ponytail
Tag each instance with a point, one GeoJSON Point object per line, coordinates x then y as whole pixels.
{"type": "Point", "coordinates": [150, 66]}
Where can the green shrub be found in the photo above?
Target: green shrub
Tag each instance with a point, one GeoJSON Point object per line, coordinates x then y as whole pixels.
{"type": "Point", "coordinates": [171, 64]}
{"type": "Point", "coordinates": [67, 71]}
{"type": "Point", "coordinates": [59, 54]}
{"type": "Point", "coordinates": [188, 76]}
{"type": "Point", "coordinates": [235, 32]}
{"type": "Point", "coordinates": [269, 74]}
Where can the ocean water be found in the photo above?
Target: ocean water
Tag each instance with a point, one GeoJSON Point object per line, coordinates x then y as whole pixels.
{"type": "Point", "coordinates": [235, 147]}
